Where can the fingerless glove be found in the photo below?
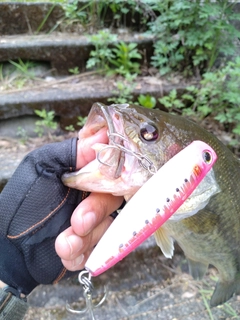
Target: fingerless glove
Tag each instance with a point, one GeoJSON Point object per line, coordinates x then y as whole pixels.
{"type": "Point", "coordinates": [35, 207]}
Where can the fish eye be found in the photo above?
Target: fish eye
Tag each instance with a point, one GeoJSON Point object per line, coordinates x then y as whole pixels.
{"type": "Point", "coordinates": [207, 157]}
{"type": "Point", "coordinates": [148, 132]}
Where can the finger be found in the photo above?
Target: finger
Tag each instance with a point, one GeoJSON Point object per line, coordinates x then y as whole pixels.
{"type": "Point", "coordinates": [92, 211]}
{"type": "Point", "coordinates": [68, 245]}
{"type": "Point", "coordinates": [78, 262]}
{"type": "Point", "coordinates": [78, 239]}
{"type": "Point", "coordinates": [85, 153]}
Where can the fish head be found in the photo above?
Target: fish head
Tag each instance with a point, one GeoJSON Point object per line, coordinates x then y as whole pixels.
{"type": "Point", "coordinates": [140, 141]}
{"type": "Point", "coordinates": [136, 149]}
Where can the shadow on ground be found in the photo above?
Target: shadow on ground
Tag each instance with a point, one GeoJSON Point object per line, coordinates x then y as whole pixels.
{"type": "Point", "coordinates": [145, 285]}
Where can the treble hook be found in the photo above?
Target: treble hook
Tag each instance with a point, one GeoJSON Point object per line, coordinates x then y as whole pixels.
{"type": "Point", "coordinates": [118, 135]}
{"type": "Point", "coordinates": [144, 161]}
{"type": "Point", "coordinates": [115, 145]}
{"type": "Point", "coordinates": [88, 288]}
{"type": "Point", "coordinates": [104, 148]}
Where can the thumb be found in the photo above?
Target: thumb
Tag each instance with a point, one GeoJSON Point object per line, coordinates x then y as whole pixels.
{"type": "Point", "coordinates": [85, 152]}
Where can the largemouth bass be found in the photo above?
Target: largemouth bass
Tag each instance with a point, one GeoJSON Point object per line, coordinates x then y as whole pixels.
{"type": "Point", "coordinates": [141, 141]}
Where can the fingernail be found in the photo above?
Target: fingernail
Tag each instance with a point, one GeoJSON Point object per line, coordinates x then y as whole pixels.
{"type": "Point", "coordinates": [76, 262]}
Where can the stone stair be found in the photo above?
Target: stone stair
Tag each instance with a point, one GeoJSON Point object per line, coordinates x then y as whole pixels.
{"type": "Point", "coordinates": [69, 96]}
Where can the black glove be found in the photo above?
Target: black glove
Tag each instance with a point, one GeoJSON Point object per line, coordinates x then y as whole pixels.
{"type": "Point", "coordinates": [34, 208]}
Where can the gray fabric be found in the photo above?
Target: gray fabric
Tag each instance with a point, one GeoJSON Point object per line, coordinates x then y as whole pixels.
{"type": "Point", "coordinates": [11, 307]}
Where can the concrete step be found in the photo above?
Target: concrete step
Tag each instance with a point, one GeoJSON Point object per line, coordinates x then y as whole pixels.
{"type": "Point", "coordinates": [20, 18]}
{"type": "Point", "coordinates": [72, 97]}
{"type": "Point", "coordinates": [43, 16]}
{"type": "Point", "coordinates": [11, 154]}
{"type": "Point", "coordinates": [69, 100]}
{"type": "Point", "coordinates": [61, 50]}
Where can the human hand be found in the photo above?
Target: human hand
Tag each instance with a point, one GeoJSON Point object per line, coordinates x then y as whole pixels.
{"type": "Point", "coordinates": [35, 207]}
{"type": "Point", "coordinates": [88, 223]}
{"type": "Point", "coordinates": [91, 218]}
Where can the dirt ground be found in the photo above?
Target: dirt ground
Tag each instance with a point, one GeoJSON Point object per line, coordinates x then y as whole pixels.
{"type": "Point", "coordinates": [145, 285]}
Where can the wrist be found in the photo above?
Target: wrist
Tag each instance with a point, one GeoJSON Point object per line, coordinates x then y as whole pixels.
{"type": "Point", "coordinates": [11, 306]}
{"type": "Point", "coordinates": [6, 288]}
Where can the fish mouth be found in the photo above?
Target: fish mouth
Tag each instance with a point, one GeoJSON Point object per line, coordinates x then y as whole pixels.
{"type": "Point", "coordinates": [111, 156]}
{"type": "Point", "coordinates": [119, 167]}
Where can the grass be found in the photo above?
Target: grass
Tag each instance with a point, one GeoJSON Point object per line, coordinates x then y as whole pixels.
{"type": "Point", "coordinates": [35, 1]}
{"type": "Point", "coordinates": [17, 74]}
{"type": "Point", "coordinates": [45, 19]}
{"type": "Point", "coordinates": [24, 67]}
{"type": "Point", "coordinates": [206, 295]}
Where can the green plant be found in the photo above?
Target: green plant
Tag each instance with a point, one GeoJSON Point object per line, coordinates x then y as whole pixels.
{"type": "Point", "coordinates": [118, 8]}
{"type": "Point", "coordinates": [29, 1]}
{"type": "Point", "coordinates": [126, 10]}
{"type": "Point", "coordinates": [100, 57]}
{"type": "Point", "coordinates": [73, 13]}
{"type": "Point", "coordinates": [147, 101]}
{"type": "Point", "coordinates": [45, 19]}
{"type": "Point", "coordinates": [206, 294]}
{"type": "Point", "coordinates": [47, 123]}
{"type": "Point", "coordinates": [121, 55]}
{"type": "Point", "coordinates": [217, 96]}
{"type": "Point", "coordinates": [227, 308]}
{"type": "Point", "coordinates": [23, 72]}
{"type": "Point", "coordinates": [20, 83]}
{"type": "Point", "coordinates": [24, 67]}
{"type": "Point", "coordinates": [1, 72]}
{"type": "Point", "coordinates": [124, 89]}
{"type": "Point", "coordinates": [172, 102]}
{"type": "Point", "coordinates": [191, 35]}
{"type": "Point", "coordinates": [88, 14]}
{"type": "Point", "coordinates": [74, 70]}
{"type": "Point", "coordinates": [95, 14]}
{"type": "Point", "coordinates": [22, 134]}
{"type": "Point", "coordinates": [124, 58]}
{"type": "Point", "coordinates": [17, 74]}
{"type": "Point", "coordinates": [70, 128]}
{"type": "Point", "coordinates": [81, 121]}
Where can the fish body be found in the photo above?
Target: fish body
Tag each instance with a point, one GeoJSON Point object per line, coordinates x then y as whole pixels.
{"type": "Point", "coordinates": [209, 233]}
{"type": "Point", "coordinates": [139, 219]}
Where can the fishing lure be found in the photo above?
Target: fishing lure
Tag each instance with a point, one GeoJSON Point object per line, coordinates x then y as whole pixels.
{"type": "Point", "coordinates": [152, 205]}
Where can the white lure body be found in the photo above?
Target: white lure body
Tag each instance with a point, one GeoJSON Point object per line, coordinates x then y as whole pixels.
{"type": "Point", "coordinates": [152, 205]}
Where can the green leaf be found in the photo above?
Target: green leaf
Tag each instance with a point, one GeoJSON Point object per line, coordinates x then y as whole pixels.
{"type": "Point", "coordinates": [147, 101]}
